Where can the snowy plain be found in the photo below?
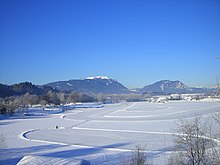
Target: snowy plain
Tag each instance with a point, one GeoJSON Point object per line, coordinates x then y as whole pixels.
{"type": "Point", "coordinates": [102, 134]}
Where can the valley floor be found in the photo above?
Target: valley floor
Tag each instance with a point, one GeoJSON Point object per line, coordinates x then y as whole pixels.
{"type": "Point", "coordinates": [104, 135]}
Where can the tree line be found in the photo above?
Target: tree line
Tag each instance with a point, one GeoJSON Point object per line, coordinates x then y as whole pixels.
{"type": "Point", "coordinates": [9, 105]}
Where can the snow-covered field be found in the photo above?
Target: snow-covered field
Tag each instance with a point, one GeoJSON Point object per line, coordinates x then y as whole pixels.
{"type": "Point", "coordinates": [102, 134]}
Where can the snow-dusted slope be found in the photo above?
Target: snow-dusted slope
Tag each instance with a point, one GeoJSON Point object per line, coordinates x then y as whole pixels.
{"type": "Point", "coordinates": [96, 85]}
{"type": "Point", "coordinates": [167, 86]}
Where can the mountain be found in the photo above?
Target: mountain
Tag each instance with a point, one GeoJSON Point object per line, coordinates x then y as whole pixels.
{"type": "Point", "coordinates": [92, 85]}
{"type": "Point", "coordinates": [204, 90]}
{"type": "Point", "coordinates": [22, 88]}
{"type": "Point", "coordinates": [166, 87]}
{"type": "Point", "coordinates": [99, 84]}
{"type": "Point", "coordinates": [6, 90]}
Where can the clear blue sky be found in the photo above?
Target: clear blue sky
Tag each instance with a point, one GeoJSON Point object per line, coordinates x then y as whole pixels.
{"type": "Point", "coordinates": [136, 42]}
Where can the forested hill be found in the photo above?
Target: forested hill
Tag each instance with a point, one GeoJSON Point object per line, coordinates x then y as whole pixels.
{"type": "Point", "coordinates": [22, 88]}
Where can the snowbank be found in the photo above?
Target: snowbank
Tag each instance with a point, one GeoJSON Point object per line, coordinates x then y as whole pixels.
{"type": "Point", "coordinates": [50, 160]}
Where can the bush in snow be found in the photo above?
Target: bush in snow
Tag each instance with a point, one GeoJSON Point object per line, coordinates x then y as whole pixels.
{"type": "Point", "coordinates": [138, 157]}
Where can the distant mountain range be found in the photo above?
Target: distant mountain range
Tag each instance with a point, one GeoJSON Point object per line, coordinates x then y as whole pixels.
{"type": "Point", "coordinates": [93, 85]}
{"type": "Point", "coordinates": [99, 84]}
{"type": "Point", "coordinates": [167, 87]}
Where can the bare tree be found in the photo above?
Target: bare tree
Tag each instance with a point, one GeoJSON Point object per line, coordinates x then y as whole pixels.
{"type": "Point", "coordinates": [53, 98]}
{"type": "Point", "coordinates": [217, 81]}
{"type": "Point", "coordinates": [62, 97]}
{"type": "Point", "coordinates": [43, 102]}
{"type": "Point", "coordinates": [138, 157]}
{"type": "Point", "coordinates": [216, 118]}
{"type": "Point", "coordinates": [193, 145]}
{"type": "Point", "coordinates": [34, 99]}
{"type": "Point", "coordinates": [218, 87]}
{"type": "Point", "coordinates": [101, 98]}
{"type": "Point", "coordinates": [73, 97]}
{"type": "Point", "coordinates": [2, 142]}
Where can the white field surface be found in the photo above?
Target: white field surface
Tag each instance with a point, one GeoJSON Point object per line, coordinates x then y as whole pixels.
{"type": "Point", "coordinates": [104, 135]}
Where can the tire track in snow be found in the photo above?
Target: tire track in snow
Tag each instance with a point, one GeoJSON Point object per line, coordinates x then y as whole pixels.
{"type": "Point", "coordinates": [24, 137]}
{"type": "Point", "coordinates": [124, 109]}
{"type": "Point", "coordinates": [168, 114]}
{"type": "Point", "coordinates": [143, 132]}
{"type": "Point", "coordinates": [95, 116]}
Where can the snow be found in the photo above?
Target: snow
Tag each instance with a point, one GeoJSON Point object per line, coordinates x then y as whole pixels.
{"type": "Point", "coordinates": [39, 111]}
{"type": "Point", "coordinates": [45, 160]}
{"type": "Point", "coordinates": [83, 105]}
{"type": "Point", "coordinates": [69, 84]}
{"type": "Point", "coordinates": [94, 135]}
{"type": "Point", "coordinates": [162, 87]}
{"type": "Point", "coordinates": [98, 77]}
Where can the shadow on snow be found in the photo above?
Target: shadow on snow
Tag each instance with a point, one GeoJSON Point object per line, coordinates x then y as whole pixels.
{"type": "Point", "coordinates": [13, 155]}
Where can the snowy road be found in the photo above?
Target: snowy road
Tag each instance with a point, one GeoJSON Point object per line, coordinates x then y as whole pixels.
{"type": "Point", "coordinates": [100, 135]}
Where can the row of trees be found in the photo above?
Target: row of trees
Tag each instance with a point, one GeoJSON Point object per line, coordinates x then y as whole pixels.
{"type": "Point", "coordinates": [10, 104]}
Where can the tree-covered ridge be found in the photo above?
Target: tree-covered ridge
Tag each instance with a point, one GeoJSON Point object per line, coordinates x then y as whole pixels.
{"type": "Point", "coordinates": [22, 88]}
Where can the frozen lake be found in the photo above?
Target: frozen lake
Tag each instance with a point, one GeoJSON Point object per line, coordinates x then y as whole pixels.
{"type": "Point", "coordinates": [100, 135]}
